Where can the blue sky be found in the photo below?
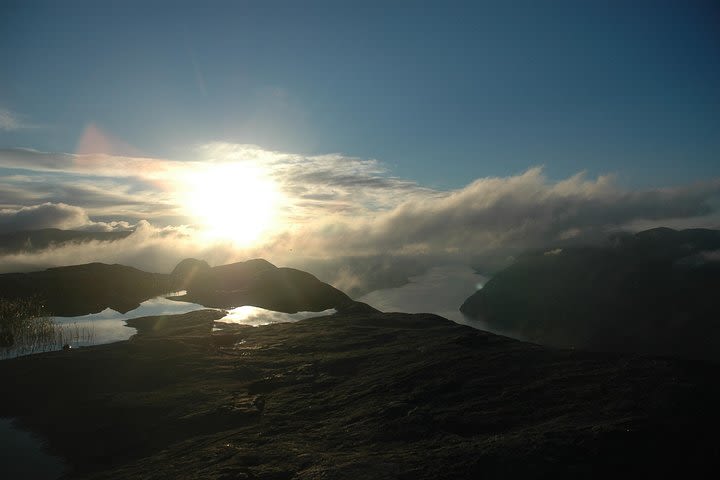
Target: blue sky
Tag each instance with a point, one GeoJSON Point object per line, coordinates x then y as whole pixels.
{"type": "Point", "coordinates": [440, 92]}
{"type": "Point", "coordinates": [434, 132]}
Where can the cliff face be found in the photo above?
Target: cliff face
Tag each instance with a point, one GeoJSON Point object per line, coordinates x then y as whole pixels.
{"type": "Point", "coordinates": [652, 292]}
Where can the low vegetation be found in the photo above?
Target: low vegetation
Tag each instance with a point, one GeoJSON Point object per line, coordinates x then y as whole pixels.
{"type": "Point", "coordinates": [26, 327]}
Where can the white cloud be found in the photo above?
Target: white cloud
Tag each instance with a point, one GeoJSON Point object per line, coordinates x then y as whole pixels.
{"type": "Point", "coordinates": [335, 206]}
{"type": "Point", "coordinates": [504, 213]}
{"type": "Point", "coordinates": [53, 215]}
{"type": "Point", "coordinates": [148, 247]}
{"type": "Point", "coordinates": [46, 215]}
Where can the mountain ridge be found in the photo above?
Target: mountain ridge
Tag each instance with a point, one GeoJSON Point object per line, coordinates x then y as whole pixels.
{"type": "Point", "coordinates": [652, 292]}
{"type": "Point", "coordinates": [90, 288]}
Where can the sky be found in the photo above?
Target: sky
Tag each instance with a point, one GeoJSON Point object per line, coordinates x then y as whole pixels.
{"type": "Point", "coordinates": [473, 125]}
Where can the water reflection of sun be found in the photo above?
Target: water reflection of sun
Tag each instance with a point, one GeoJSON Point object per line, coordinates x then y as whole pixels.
{"type": "Point", "coordinates": [236, 201]}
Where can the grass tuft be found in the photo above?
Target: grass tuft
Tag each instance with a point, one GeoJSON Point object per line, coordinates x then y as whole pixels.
{"type": "Point", "coordinates": [26, 328]}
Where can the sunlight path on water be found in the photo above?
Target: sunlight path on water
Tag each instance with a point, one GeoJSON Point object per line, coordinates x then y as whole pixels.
{"type": "Point", "coordinates": [256, 317]}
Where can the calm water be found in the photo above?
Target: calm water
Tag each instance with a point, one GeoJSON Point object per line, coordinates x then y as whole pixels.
{"type": "Point", "coordinates": [255, 316]}
{"type": "Point", "coordinates": [22, 455]}
{"type": "Point", "coordinates": [440, 290]}
{"type": "Point", "coordinates": [109, 326]}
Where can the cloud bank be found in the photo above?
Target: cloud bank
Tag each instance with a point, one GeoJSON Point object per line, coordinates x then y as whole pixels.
{"type": "Point", "coordinates": [335, 208]}
{"type": "Point", "coordinates": [53, 215]}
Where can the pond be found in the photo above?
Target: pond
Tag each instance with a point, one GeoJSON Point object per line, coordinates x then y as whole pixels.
{"type": "Point", "coordinates": [109, 326]}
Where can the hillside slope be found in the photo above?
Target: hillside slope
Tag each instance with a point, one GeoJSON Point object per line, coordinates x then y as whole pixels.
{"type": "Point", "coordinates": [653, 292]}
{"type": "Point", "coordinates": [360, 396]}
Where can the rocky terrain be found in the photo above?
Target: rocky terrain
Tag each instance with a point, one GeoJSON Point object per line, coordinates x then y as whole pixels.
{"type": "Point", "coordinates": [357, 394]}
{"type": "Point", "coordinates": [652, 292]}
{"type": "Point", "coordinates": [369, 395]}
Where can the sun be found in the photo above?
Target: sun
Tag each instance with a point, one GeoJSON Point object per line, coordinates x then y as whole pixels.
{"type": "Point", "coordinates": [235, 201]}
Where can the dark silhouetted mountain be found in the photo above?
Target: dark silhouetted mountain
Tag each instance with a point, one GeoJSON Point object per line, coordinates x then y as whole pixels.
{"type": "Point", "coordinates": [83, 289]}
{"type": "Point", "coordinates": [652, 292]}
{"type": "Point", "coordinates": [32, 240]}
{"type": "Point", "coordinates": [187, 271]}
{"type": "Point", "coordinates": [261, 284]}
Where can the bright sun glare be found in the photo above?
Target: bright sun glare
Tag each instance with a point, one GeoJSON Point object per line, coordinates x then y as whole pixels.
{"type": "Point", "coordinates": [235, 201]}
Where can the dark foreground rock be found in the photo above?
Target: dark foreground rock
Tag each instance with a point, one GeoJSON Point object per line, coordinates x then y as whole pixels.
{"type": "Point", "coordinates": [652, 292]}
{"type": "Point", "coordinates": [366, 395]}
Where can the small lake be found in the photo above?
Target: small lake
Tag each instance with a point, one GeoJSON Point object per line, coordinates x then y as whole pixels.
{"type": "Point", "coordinates": [109, 326]}
{"type": "Point", "coordinates": [98, 328]}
